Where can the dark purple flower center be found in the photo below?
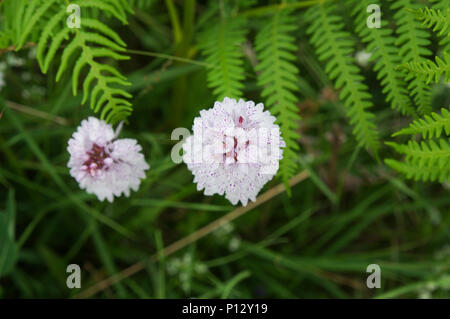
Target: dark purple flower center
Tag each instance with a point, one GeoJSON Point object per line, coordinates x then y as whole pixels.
{"type": "Point", "coordinates": [96, 161]}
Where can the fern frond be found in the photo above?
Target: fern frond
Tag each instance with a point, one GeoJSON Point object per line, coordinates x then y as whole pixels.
{"type": "Point", "coordinates": [33, 13]}
{"type": "Point", "coordinates": [413, 40]}
{"type": "Point", "coordinates": [429, 159]}
{"type": "Point", "coordinates": [93, 41]}
{"type": "Point", "coordinates": [438, 20]}
{"type": "Point", "coordinates": [430, 126]}
{"type": "Point", "coordinates": [112, 7]}
{"type": "Point", "coordinates": [416, 172]}
{"type": "Point", "coordinates": [429, 71]}
{"type": "Point", "coordinates": [11, 27]}
{"type": "Point", "coordinates": [426, 154]}
{"type": "Point", "coordinates": [421, 92]}
{"type": "Point", "coordinates": [385, 54]}
{"type": "Point", "coordinates": [141, 4]}
{"type": "Point", "coordinates": [221, 45]}
{"type": "Point", "coordinates": [275, 47]}
{"type": "Point", "coordinates": [442, 5]}
{"type": "Point", "coordinates": [335, 46]}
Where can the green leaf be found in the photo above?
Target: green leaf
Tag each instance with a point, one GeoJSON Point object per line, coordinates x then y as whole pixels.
{"type": "Point", "coordinates": [221, 45]}
{"type": "Point", "coordinates": [335, 46]}
{"type": "Point", "coordinates": [8, 248]}
{"type": "Point", "coordinates": [95, 40]}
{"type": "Point", "coordinates": [429, 71]}
{"type": "Point", "coordinates": [413, 41]}
{"type": "Point", "coordinates": [278, 75]}
{"type": "Point", "coordinates": [438, 20]}
{"type": "Point", "coordinates": [430, 126]}
{"type": "Point", "coordinates": [381, 43]}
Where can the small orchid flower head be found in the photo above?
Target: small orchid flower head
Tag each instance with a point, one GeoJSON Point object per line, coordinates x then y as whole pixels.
{"type": "Point", "coordinates": [102, 164]}
{"type": "Point", "coordinates": [234, 150]}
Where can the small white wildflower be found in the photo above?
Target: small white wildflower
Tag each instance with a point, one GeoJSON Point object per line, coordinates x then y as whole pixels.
{"type": "Point", "coordinates": [234, 243]}
{"type": "Point", "coordinates": [227, 228]}
{"type": "Point", "coordinates": [173, 266]}
{"type": "Point", "coordinates": [32, 53]}
{"type": "Point", "coordinates": [224, 230]}
{"type": "Point", "coordinates": [431, 286]}
{"type": "Point", "coordinates": [424, 294]}
{"type": "Point", "coordinates": [363, 58]}
{"type": "Point", "coordinates": [228, 151]}
{"type": "Point", "coordinates": [103, 165]}
{"type": "Point", "coordinates": [187, 259]}
{"type": "Point", "coordinates": [171, 270]}
{"type": "Point", "coordinates": [13, 60]}
{"type": "Point", "coordinates": [200, 268]}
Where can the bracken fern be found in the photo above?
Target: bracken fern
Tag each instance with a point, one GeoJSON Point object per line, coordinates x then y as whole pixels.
{"type": "Point", "coordinates": [336, 46]}
{"type": "Point", "coordinates": [430, 126]}
{"type": "Point", "coordinates": [423, 173]}
{"type": "Point", "coordinates": [221, 45]}
{"type": "Point", "coordinates": [438, 20]}
{"type": "Point", "coordinates": [442, 5]}
{"type": "Point", "coordinates": [424, 69]}
{"type": "Point", "coordinates": [141, 4]}
{"type": "Point", "coordinates": [412, 40]}
{"type": "Point", "coordinates": [429, 159]}
{"type": "Point", "coordinates": [93, 41]}
{"type": "Point", "coordinates": [10, 31]}
{"type": "Point", "coordinates": [275, 47]}
{"type": "Point", "coordinates": [429, 71]}
{"type": "Point", "coordinates": [384, 52]}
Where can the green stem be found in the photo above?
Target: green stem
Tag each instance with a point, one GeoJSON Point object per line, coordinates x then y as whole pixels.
{"type": "Point", "coordinates": [174, 19]}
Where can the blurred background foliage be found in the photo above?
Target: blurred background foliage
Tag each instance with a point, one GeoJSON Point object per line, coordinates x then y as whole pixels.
{"type": "Point", "coordinates": [351, 212]}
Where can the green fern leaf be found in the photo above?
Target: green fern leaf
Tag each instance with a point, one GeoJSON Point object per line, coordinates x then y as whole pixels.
{"type": "Point", "coordinates": [33, 13]}
{"type": "Point", "coordinates": [429, 71]}
{"type": "Point", "coordinates": [11, 27]}
{"type": "Point", "coordinates": [335, 45]}
{"type": "Point", "coordinates": [418, 173]}
{"type": "Point", "coordinates": [413, 40]}
{"type": "Point", "coordinates": [109, 6]}
{"type": "Point", "coordinates": [141, 4]}
{"type": "Point", "coordinates": [429, 159]}
{"type": "Point", "coordinates": [442, 5]}
{"type": "Point", "coordinates": [221, 45]}
{"type": "Point", "coordinates": [426, 153]}
{"type": "Point", "coordinates": [45, 36]}
{"type": "Point", "coordinates": [421, 92]}
{"type": "Point", "coordinates": [104, 29]}
{"type": "Point", "coordinates": [430, 126]}
{"type": "Point", "coordinates": [424, 161]}
{"type": "Point", "coordinates": [382, 45]}
{"type": "Point", "coordinates": [438, 20]}
{"type": "Point", "coordinates": [93, 41]}
{"type": "Point", "coordinates": [275, 49]}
